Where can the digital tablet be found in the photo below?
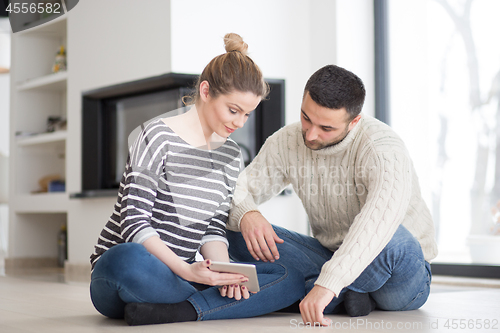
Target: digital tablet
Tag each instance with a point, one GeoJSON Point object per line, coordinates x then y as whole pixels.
{"type": "Point", "coordinates": [245, 269]}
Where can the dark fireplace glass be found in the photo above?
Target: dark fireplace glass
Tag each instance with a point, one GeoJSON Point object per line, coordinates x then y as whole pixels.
{"type": "Point", "coordinates": [121, 116]}
{"type": "Point", "coordinates": [245, 137]}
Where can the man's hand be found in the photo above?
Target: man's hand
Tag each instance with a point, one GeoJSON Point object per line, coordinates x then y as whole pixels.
{"type": "Point", "coordinates": [260, 237]}
{"type": "Point", "coordinates": [313, 305]}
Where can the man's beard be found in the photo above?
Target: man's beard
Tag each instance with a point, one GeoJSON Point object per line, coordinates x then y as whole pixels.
{"type": "Point", "coordinates": [322, 145]}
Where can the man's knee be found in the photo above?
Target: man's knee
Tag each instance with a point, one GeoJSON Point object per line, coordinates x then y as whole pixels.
{"type": "Point", "coordinates": [403, 243]}
{"type": "Point", "coordinates": [401, 301]}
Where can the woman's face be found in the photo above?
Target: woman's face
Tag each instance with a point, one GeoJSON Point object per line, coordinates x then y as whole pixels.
{"type": "Point", "coordinates": [226, 113]}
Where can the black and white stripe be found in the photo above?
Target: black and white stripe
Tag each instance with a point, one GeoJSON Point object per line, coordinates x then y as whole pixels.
{"type": "Point", "coordinates": [173, 190]}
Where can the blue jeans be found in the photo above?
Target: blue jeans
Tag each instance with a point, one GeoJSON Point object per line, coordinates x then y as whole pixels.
{"type": "Point", "coordinates": [128, 273]}
{"type": "Point", "coordinates": [398, 278]}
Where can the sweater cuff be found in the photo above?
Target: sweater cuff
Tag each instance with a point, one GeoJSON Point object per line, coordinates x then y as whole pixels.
{"type": "Point", "coordinates": [144, 234]}
{"type": "Point", "coordinates": [329, 281]}
{"type": "Point", "coordinates": [213, 238]}
{"type": "Point", "coordinates": [236, 214]}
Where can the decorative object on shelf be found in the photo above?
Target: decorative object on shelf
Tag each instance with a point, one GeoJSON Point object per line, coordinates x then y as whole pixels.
{"type": "Point", "coordinates": [56, 123]}
{"type": "Point", "coordinates": [60, 61]}
{"type": "Point", "coordinates": [57, 186]}
{"type": "Point", "coordinates": [62, 246]}
{"type": "Point", "coordinates": [45, 181]}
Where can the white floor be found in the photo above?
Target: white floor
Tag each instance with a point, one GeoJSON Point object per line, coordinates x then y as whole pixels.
{"type": "Point", "coordinates": [42, 303]}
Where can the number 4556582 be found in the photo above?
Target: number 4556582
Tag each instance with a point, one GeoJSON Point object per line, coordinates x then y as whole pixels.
{"type": "Point", "coordinates": [24, 8]}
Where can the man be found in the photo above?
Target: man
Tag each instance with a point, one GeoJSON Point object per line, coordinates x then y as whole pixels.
{"type": "Point", "coordinates": [373, 233]}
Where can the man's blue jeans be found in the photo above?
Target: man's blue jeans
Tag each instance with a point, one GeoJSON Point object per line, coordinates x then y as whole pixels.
{"type": "Point", "coordinates": [398, 279]}
{"type": "Point", "coordinates": [128, 273]}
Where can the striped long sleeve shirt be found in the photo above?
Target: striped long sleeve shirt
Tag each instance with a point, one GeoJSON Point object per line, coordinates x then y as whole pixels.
{"type": "Point", "coordinates": [172, 190]}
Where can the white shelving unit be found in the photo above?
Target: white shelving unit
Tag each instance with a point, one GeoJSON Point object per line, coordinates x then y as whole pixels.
{"type": "Point", "coordinates": [55, 82]}
{"type": "Point", "coordinates": [36, 94]}
{"type": "Point", "coordinates": [53, 137]}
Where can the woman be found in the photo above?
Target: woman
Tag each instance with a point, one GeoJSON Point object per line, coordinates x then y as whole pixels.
{"type": "Point", "coordinates": [173, 201]}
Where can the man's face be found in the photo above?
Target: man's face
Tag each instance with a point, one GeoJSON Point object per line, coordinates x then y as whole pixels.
{"type": "Point", "coordinates": [323, 127]}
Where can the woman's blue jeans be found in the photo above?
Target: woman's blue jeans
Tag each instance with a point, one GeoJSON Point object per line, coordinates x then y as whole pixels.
{"type": "Point", "coordinates": [128, 273]}
{"type": "Point", "coordinates": [398, 279]}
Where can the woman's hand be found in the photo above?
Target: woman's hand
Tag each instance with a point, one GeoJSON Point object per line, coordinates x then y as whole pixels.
{"type": "Point", "coordinates": [199, 272]}
{"type": "Point", "coordinates": [230, 282]}
{"type": "Point", "coordinates": [217, 251]}
{"type": "Point", "coordinates": [234, 291]}
{"type": "Point", "coordinates": [196, 272]}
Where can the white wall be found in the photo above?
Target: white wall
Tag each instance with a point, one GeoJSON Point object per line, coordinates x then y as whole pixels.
{"type": "Point", "coordinates": [323, 37]}
{"type": "Point", "coordinates": [355, 44]}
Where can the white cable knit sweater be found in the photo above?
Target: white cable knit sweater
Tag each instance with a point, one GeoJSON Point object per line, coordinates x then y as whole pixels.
{"type": "Point", "coordinates": [355, 193]}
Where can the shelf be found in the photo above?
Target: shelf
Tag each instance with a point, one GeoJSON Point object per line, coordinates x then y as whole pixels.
{"type": "Point", "coordinates": [90, 194]}
{"type": "Point", "coordinates": [42, 138]}
{"type": "Point", "coordinates": [56, 202]}
{"type": "Point", "coordinates": [56, 81]}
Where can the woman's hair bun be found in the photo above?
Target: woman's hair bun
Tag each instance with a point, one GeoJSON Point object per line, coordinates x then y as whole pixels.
{"type": "Point", "coordinates": [234, 42]}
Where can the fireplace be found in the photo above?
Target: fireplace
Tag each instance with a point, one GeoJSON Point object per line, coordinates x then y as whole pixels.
{"type": "Point", "coordinates": [111, 113]}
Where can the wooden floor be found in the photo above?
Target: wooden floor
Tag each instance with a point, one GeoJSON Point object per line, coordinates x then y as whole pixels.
{"type": "Point", "coordinates": [44, 303]}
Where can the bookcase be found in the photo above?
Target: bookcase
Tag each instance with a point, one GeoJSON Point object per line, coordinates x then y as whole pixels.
{"type": "Point", "coordinates": [36, 94]}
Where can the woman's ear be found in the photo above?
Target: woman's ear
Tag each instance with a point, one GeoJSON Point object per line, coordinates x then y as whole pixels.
{"type": "Point", "coordinates": [204, 91]}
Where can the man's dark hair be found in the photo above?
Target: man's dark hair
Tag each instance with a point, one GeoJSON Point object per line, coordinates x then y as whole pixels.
{"type": "Point", "coordinates": [334, 87]}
